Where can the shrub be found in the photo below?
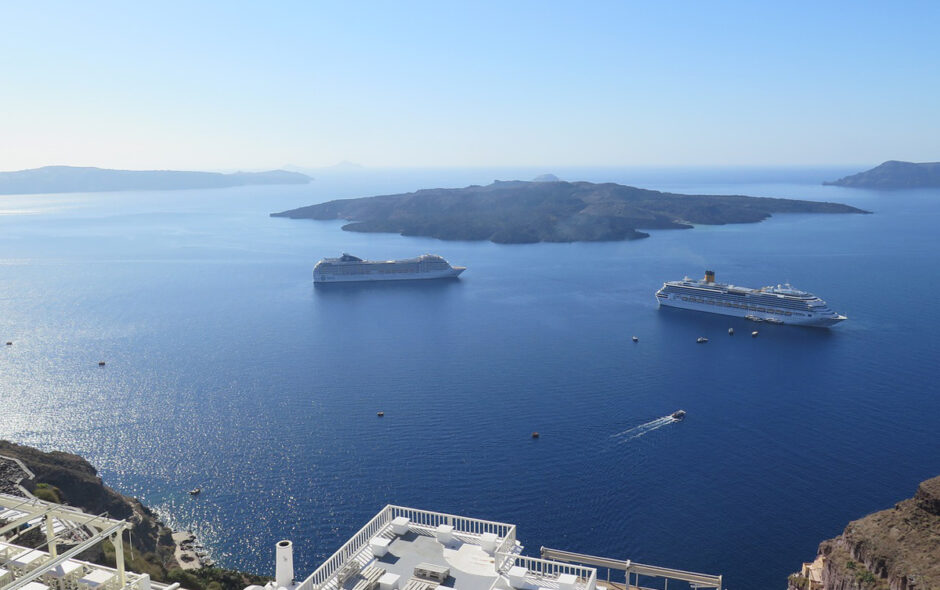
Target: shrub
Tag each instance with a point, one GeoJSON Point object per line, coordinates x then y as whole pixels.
{"type": "Point", "coordinates": [48, 493]}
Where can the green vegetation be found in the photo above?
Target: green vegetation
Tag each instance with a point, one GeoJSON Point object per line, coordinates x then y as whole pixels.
{"type": "Point", "coordinates": [48, 493]}
{"type": "Point", "coordinates": [161, 570]}
{"type": "Point", "coordinates": [797, 581]}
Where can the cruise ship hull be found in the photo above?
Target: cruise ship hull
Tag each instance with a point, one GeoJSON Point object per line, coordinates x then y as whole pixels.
{"type": "Point", "coordinates": [378, 276]}
{"type": "Point", "coordinates": [797, 319]}
{"type": "Point", "coordinates": [774, 305]}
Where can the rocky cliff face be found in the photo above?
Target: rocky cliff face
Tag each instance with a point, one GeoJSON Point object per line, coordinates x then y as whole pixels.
{"type": "Point", "coordinates": [895, 549]}
{"type": "Point", "coordinates": [74, 481]}
{"type": "Point", "coordinates": [70, 479]}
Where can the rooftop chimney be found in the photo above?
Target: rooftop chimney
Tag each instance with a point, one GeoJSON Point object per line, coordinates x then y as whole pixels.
{"type": "Point", "coordinates": [284, 566]}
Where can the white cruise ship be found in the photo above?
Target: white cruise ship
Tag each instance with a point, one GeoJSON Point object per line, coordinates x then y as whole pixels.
{"type": "Point", "coordinates": [778, 305]}
{"type": "Point", "coordinates": [349, 268]}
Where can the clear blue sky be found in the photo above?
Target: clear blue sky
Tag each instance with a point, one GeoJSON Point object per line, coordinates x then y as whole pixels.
{"type": "Point", "coordinates": [263, 84]}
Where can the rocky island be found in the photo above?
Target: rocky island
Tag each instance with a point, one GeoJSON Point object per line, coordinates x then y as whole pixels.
{"type": "Point", "coordinates": [894, 175]}
{"type": "Point", "coordinates": [70, 179]}
{"type": "Point", "coordinates": [895, 549]}
{"type": "Point", "coordinates": [517, 212]}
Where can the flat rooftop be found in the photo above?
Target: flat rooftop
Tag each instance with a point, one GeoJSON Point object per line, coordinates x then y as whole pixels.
{"type": "Point", "coordinates": [409, 549]}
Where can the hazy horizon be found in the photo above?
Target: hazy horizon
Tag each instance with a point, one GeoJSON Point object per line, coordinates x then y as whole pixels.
{"type": "Point", "coordinates": [180, 86]}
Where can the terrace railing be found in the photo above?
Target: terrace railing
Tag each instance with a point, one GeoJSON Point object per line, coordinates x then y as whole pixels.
{"type": "Point", "coordinates": [324, 575]}
{"type": "Point", "coordinates": [461, 524]}
{"type": "Point", "coordinates": [546, 572]}
{"type": "Point", "coordinates": [326, 572]}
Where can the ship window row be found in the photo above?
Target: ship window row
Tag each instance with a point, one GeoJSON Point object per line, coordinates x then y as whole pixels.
{"type": "Point", "coordinates": [359, 269]}
{"type": "Point", "coordinates": [772, 296]}
{"type": "Point", "coordinates": [737, 306]}
{"type": "Point", "coordinates": [773, 301]}
{"type": "Point", "coordinates": [362, 269]}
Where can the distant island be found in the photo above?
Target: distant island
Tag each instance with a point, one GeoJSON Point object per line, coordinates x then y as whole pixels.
{"type": "Point", "coordinates": [516, 212]}
{"type": "Point", "coordinates": [70, 179]}
{"type": "Point", "coordinates": [893, 175]}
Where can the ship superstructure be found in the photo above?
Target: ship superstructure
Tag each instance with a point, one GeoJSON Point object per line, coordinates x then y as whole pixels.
{"type": "Point", "coordinates": [349, 268]}
{"type": "Point", "coordinates": [779, 305]}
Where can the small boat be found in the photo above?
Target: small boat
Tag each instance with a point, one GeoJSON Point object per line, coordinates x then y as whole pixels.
{"type": "Point", "coordinates": [730, 331]}
{"type": "Point", "coordinates": [11, 344]}
{"type": "Point", "coordinates": [194, 492]}
{"type": "Point", "coordinates": [754, 318]}
{"type": "Point", "coordinates": [754, 334]}
{"type": "Point", "coordinates": [678, 415]}
{"type": "Point", "coordinates": [773, 321]}
{"type": "Point", "coordinates": [380, 414]}
{"type": "Point", "coordinates": [635, 339]}
{"type": "Point", "coordinates": [535, 435]}
{"type": "Point", "coordinates": [100, 363]}
{"type": "Point", "coordinates": [701, 340]}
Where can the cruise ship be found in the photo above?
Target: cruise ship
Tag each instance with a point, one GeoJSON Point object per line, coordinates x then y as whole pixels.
{"type": "Point", "coordinates": [777, 305]}
{"type": "Point", "coordinates": [349, 268]}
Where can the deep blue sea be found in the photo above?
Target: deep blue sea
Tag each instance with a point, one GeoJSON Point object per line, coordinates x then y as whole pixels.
{"type": "Point", "coordinates": [226, 369]}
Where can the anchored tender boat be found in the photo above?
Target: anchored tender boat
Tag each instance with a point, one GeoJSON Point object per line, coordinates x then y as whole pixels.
{"type": "Point", "coordinates": [349, 268]}
{"type": "Point", "coordinates": [777, 305]}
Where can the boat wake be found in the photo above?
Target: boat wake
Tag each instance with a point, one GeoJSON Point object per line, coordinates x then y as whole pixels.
{"type": "Point", "coordinates": [638, 431]}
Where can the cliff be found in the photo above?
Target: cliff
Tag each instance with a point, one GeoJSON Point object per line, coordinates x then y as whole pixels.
{"type": "Point", "coordinates": [894, 175]}
{"type": "Point", "coordinates": [69, 479]}
{"type": "Point", "coordinates": [69, 179]}
{"type": "Point", "coordinates": [895, 549]}
{"type": "Point", "coordinates": [517, 212]}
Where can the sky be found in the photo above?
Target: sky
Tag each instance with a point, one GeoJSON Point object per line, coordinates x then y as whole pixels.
{"type": "Point", "coordinates": [253, 85]}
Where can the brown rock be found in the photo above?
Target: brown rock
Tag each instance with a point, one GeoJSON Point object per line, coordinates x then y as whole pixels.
{"type": "Point", "coordinates": [895, 549]}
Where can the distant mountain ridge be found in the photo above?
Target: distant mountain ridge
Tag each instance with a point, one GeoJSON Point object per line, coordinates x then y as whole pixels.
{"type": "Point", "coordinates": [894, 174]}
{"type": "Point", "coordinates": [556, 211]}
{"type": "Point", "coordinates": [71, 179]}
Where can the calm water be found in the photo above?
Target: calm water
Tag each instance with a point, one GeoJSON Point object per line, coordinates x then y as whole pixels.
{"type": "Point", "coordinates": [226, 369]}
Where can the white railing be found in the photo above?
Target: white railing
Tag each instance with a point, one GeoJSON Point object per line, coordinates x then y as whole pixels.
{"type": "Point", "coordinates": [461, 524]}
{"type": "Point", "coordinates": [324, 574]}
{"type": "Point", "coordinates": [505, 552]}
{"type": "Point", "coordinates": [546, 570]}
{"type": "Point", "coordinates": [329, 567]}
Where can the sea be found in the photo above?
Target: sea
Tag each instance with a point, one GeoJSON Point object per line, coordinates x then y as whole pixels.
{"type": "Point", "coordinates": [227, 370]}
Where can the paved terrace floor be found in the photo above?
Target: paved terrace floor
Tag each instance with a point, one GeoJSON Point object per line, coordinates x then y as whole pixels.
{"type": "Point", "coordinates": [471, 568]}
